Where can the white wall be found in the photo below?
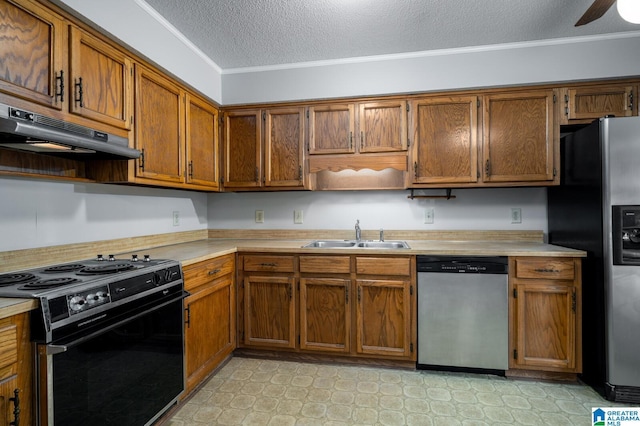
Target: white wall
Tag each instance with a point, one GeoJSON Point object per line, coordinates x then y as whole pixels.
{"type": "Point", "coordinates": [134, 23]}
{"type": "Point", "coordinates": [38, 213]}
{"type": "Point", "coordinates": [503, 65]}
{"type": "Point", "coordinates": [472, 209]}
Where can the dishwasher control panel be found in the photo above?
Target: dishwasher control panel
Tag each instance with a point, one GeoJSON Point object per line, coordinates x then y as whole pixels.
{"type": "Point", "coordinates": [455, 264]}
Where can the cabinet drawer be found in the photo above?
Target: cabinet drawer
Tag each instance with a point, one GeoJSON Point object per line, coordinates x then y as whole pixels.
{"type": "Point", "coordinates": [204, 272]}
{"type": "Point", "coordinates": [546, 268]}
{"type": "Point", "coordinates": [325, 264]}
{"type": "Point", "coordinates": [268, 263]}
{"type": "Point", "coordinates": [8, 345]}
{"type": "Point", "coordinates": [383, 265]}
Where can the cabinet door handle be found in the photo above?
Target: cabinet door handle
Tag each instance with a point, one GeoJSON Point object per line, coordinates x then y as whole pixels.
{"type": "Point", "coordinates": [214, 272]}
{"type": "Point", "coordinates": [350, 140]}
{"type": "Point", "coordinates": [346, 295]}
{"type": "Point", "coordinates": [191, 169]}
{"type": "Point", "coordinates": [257, 175]}
{"type": "Point", "coordinates": [60, 81]}
{"type": "Point", "coordinates": [16, 408]}
{"type": "Point", "coordinates": [361, 140]}
{"type": "Point", "coordinates": [300, 173]}
{"type": "Point", "coordinates": [269, 265]}
{"type": "Point", "coordinates": [359, 291]}
{"type": "Point", "coordinates": [141, 160]}
{"type": "Point", "coordinates": [290, 291]}
{"type": "Point", "coordinates": [487, 169]}
{"type": "Point", "coordinates": [187, 322]}
{"type": "Point", "coordinates": [415, 169]}
{"type": "Point", "coordinates": [79, 92]}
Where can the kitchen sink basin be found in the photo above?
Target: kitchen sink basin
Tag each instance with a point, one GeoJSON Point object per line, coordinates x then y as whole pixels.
{"type": "Point", "coordinates": [357, 244]}
{"type": "Point", "coordinates": [383, 244]}
{"type": "Point", "coordinates": [330, 244]}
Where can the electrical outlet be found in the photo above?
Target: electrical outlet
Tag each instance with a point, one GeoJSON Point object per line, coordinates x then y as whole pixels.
{"type": "Point", "coordinates": [259, 216]}
{"type": "Point", "coordinates": [428, 215]}
{"type": "Point", "coordinates": [297, 216]}
{"type": "Point", "coordinates": [516, 215]}
{"type": "Point", "coordinates": [176, 218]}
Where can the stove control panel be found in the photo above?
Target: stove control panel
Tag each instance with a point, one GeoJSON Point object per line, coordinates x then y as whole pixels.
{"type": "Point", "coordinates": [88, 299]}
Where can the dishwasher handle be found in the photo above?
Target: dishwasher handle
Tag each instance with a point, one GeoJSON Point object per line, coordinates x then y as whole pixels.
{"type": "Point", "coordinates": [463, 264]}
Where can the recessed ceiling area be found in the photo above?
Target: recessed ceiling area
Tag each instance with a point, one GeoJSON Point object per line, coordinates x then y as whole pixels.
{"type": "Point", "coordinates": [260, 33]}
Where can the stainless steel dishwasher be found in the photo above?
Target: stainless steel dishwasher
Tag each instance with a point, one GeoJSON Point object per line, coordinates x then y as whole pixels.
{"type": "Point", "coordinates": [463, 313]}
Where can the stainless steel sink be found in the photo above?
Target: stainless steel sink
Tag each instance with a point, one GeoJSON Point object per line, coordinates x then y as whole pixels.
{"type": "Point", "coordinates": [330, 244]}
{"type": "Point", "coordinates": [357, 244]}
{"type": "Point", "coordinates": [383, 244]}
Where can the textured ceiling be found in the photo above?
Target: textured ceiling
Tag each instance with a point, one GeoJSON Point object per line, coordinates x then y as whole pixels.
{"type": "Point", "coordinates": [251, 33]}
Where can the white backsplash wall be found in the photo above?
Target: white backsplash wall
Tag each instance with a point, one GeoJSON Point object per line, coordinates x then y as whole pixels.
{"type": "Point", "coordinates": [39, 213]}
{"type": "Point", "coordinates": [472, 209]}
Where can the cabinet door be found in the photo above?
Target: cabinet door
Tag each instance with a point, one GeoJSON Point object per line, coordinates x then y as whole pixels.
{"type": "Point", "coordinates": [325, 314]}
{"type": "Point", "coordinates": [519, 137]}
{"type": "Point", "coordinates": [382, 126]}
{"type": "Point", "coordinates": [32, 43]}
{"type": "Point", "coordinates": [331, 129]}
{"type": "Point", "coordinates": [209, 329]}
{"type": "Point", "coordinates": [101, 76]}
{"type": "Point", "coordinates": [202, 143]}
{"type": "Point", "coordinates": [445, 135]}
{"type": "Point", "coordinates": [269, 311]}
{"type": "Point", "coordinates": [7, 406]}
{"type": "Point", "coordinates": [159, 127]}
{"type": "Point", "coordinates": [383, 318]}
{"type": "Point", "coordinates": [545, 326]}
{"type": "Point", "coordinates": [242, 148]}
{"type": "Point", "coordinates": [283, 146]}
{"type": "Point", "coordinates": [597, 101]}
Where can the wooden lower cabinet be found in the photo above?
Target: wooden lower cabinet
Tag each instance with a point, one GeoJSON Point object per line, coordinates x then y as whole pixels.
{"type": "Point", "coordinates": [16, 370]}
{"type": "Point", "coordinates": [210, 317]}
{"type": "Point", "coordinates": [384, 318]}
{"type": "Point", "coordinates": [343, 305]}
{"type": "Point", "coordinates": [545, 314]}
{"type": "Point", "coordinates": [325, 314]}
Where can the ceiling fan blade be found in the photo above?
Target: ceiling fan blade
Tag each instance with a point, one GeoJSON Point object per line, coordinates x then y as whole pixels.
{"type": "Point", "coordinates": [595, 11]}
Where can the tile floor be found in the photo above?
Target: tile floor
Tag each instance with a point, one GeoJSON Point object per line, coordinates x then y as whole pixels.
{"type": "Point", "coordinates": [280, 393]}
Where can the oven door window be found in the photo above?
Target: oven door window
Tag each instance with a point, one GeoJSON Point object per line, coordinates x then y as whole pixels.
{"type": "Point", "coordinates": [126, 376]}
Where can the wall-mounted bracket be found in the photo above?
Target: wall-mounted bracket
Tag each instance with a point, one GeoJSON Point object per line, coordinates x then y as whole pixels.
{"type": "Point", "coordinates": [448, 195]}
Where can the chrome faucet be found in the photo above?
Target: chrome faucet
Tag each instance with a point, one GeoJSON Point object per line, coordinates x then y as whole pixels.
{"type": "Point", "coordinates": [358, 231]}
{"type": "Point", "coordinates": [381, 234]}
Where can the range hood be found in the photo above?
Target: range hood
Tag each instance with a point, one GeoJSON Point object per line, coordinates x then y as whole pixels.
{"type": "Point", "coordinates": [28, 131]}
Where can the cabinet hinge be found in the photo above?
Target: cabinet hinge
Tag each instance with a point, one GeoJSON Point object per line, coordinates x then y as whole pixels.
{"type": "Point", "coordinates": [515, 293]}
{"type": "Point", "coordinates": [407, 107]}
{"type": "Point", "coordinates": [221, 181]}
{"type": "Point", "coordinates": [554, 99]}
{"type": "Point", "coordinates": [131, 70]}
{"type": "Point", "coordinates": [478, 103]}
{"type": "Point", "coordinates": [573, 301]}
{"type": "Point", "coordinates": [264, 115]}
{"type": "Point", "coordinates": [515, 354]}
{"type": "Point", "coordinates": [411, 347]}
{"type": "Point", "coordinates": [411, 290]}
{"type": "Point", "coordinates": [298, 339]}
{"type": "Point", "coordinates": [307, 113]}
{"type": "Point", "coordinates": [555, 172]}
{"type": "Point", "coordinates": [408, 142]}
{"type": "Point", "coordinates": [221, 119]}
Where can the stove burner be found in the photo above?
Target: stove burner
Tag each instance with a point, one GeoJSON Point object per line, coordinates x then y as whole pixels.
{"type": "Point", "coordinates": [9, 279]}
{"type": "Point", "coordinates": [63, 268]}
{"type": "Point", "coordinates": [109, 268]}
{"type": "Point", "coordinates": [51, 283]}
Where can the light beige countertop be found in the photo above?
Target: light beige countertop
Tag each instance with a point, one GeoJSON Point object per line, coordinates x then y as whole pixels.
{"type": "Point", "coordinates": [196, 251]}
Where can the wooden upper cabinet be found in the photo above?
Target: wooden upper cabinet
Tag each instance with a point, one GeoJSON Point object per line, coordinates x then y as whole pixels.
{"type": "Point", "coordinates": [242, 139]}
{"type": "Point", "coordinates": [32, 56]}
{"type": "Point", "coordinates": [101, 79]}
{"type": "Point", "coordinates": [382, 126]}
{"type": "Point", "coordinates": [592, 102]}
{"type": "Point", "coordinates": [201, 143]}
{"type": "Point", "coordinates": [159, 126]}
{"type": "Point", "coordinates": [520, 137]}
{"type": "Point", "coordinates": [445, 140]}
{"type": "Point", "coordinates": [331, 129]}
{"type": "Point", "coordinates": [283, 147]}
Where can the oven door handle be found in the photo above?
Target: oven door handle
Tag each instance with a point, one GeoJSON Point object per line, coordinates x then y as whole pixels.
{"type": "Point", "coordinates": [56, 349]}
{"type": "Point", "coordinates": [53, 349]}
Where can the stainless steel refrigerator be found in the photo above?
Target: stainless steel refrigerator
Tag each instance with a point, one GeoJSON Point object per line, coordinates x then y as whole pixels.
{"type": "Point", "coordinates": [596, 208]}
